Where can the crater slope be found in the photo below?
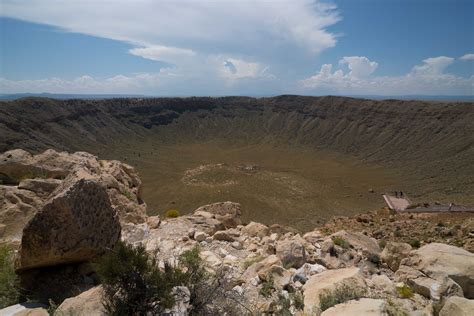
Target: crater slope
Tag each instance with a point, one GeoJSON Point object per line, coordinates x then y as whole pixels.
{"type": "Point", "coordinates": [289, 159]}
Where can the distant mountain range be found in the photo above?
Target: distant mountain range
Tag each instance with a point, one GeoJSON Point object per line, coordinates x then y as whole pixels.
{"type": "Point", "coordinates": [14, 96]}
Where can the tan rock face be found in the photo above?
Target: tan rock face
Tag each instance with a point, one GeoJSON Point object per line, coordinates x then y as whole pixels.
{"type": "Point", "coordinates": [291, 252]}
{"type": "Point", "coordinates": [86, 303]}
{"type": "Point", "coordinates": [394, 252]}
{"type": "Point", "coordinates": [458, 306]}
{"type": "Point", "coordinates": [28, 182]}
{"type": "Point", "coordinates": [254, 229]}
{"type": "Point", "coordinates": [329, 280]}
{"type": "Point", "coordinates": [75, 225]}
{"type": "Point", "coordinates": [364, 306]}
{"type": "Point", "coordinates": [436, 258]}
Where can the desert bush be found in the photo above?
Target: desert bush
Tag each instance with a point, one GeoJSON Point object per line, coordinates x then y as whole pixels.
{"type": "Point", "coordinates": [9, 291]}
{"type": "Point", "coordinates": [415, 243]}
{"type": "Point", "coordinates": [341, 242]}
{"type": "Point", "coordinates": [268, 286]}
{"type": "Point", "coordinates": [341, 294]}
{"type": "Point", "coordinates": [404, 291]}
{"type": "Point", "coordinates": [382, 244]}
{"type": "Point", "coordinates": [133, 283]}
{"type": "Point", "coordinates": [172, 213]}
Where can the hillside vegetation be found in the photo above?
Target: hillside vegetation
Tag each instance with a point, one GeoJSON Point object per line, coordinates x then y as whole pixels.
{"type": "Point", "coordinates": [288, 159]}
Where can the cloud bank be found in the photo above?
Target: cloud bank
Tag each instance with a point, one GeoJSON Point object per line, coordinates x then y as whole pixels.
{"type": "Point", "coordinates": [224, 47]}
{"type": "Point", "coordinates": [429, 77]}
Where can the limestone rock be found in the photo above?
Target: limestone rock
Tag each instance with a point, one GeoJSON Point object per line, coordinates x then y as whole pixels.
{"type": "Point", "coordinates": [383, 283]}
{"type": "Point", "coordinates": [436, 258]}
{"type": "Point", "coordinates": [226, 212]}
{"type": "Point", "coordinates": [363, 306]}
{"type": "Point", "coordinates": [291, 252]}
{"type": "Point", "coordinates": [74, 226]}
{"type": "Point", "coordinates": [223, 235]}
{"type": "Point", "coordinates": [328, 281]}
{"type": "Point", "coordinates": [306, 271]}
{"type": "Point", "coordinates": [260, 267]}
{"type": "Point", "coordinates": [86, 303]}
{"type": "Point", "coordinates": [458, 306]}
{"type": "Point", "coordinates": [393, 254]}
{"type": "Point", "coordinates": [24, 309]}
{"type": "Point", "coordinates": [254, 229]}
{"type": "Point", "coordinates": [200, 236]}
{"type": "Point", "coordinates": [367, 245]}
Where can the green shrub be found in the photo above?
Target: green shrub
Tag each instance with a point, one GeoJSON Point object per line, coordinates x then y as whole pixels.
{"type": "Point", "coordinates": [404, 291]}
{"type": "Point", "coordinates": [9, 292]}
{"type": "Point", "coordinates": [382, 244]}
{"type": "Point", "coordinates": [133, 283]}
{"type": "Point", "coordinates": [341, 294]}
{"type": "Point", "coordinates": [341, 242]}
{"type": "Point", "coordinates": [172, 213]}
{"type": "Point", "coordinates": [415, 243]}
{"type": "Point", "coordinates": [267, 286]}
{"type": "Point", "coordinates": [128, 195]}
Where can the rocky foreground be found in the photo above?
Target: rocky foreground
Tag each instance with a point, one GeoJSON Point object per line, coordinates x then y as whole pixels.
{"type": "Point", "coordinates": [64, 210]}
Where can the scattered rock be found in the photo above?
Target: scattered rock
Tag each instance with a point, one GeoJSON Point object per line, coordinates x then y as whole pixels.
{"type": "Point", "coordinates": [200, 236]}
{"type": "Point", "coordinates": [226, 212]}
{"type": "Point", "coordinates": [223, 235]}
{"type": "Point", "coordinates": [254, 229]}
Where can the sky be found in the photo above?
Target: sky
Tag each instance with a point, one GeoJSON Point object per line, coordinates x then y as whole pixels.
{"type": "Point", "coordinates": [230, 47]}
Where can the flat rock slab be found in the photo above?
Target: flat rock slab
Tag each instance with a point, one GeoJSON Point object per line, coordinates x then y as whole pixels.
{"type": "Point", "coordinates": [361, 307]}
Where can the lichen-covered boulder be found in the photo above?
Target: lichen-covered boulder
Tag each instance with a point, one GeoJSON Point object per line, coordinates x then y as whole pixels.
{"type": "Point", "coordinates": [74, 226]}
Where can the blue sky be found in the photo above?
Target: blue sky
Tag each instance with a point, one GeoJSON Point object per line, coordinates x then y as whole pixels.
{"type": "Point", "coordinates": [184, 47]}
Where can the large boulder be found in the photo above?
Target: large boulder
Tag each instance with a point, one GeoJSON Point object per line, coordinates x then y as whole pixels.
{"type": "Point", "coordinates": [87, 303]}
{"type": "Point", "coordinates": [254, 229]}
{"type": "Point", "coordinates": [393, 253]}
{"type": "Point", "coordinates": [363, 306]}
{"type": "Point", "coordinates": [458, 306]}
{"type": "Point", "coordinates": [226, 212]}
{"type": "Point", "coordinates": [367, 246]}
{"type": "Point", "coordinates": [28, 181]}
{"type": "Point", "coordinates": [74, 226]}
{"type": "Point", "coordinates": [437, 258]}
{"type": "Point", "coordinates": [291, 252]}
{"type": "Point", "coordinates": [329, 281]}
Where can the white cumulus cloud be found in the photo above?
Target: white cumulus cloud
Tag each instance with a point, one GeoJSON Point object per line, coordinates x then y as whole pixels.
{"type": "Point", "coordinates": [467, 57]}
{"type": "Point", "coordinates": [359, 66]}
{"type": "Point", "coordinates": [427, 78]}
